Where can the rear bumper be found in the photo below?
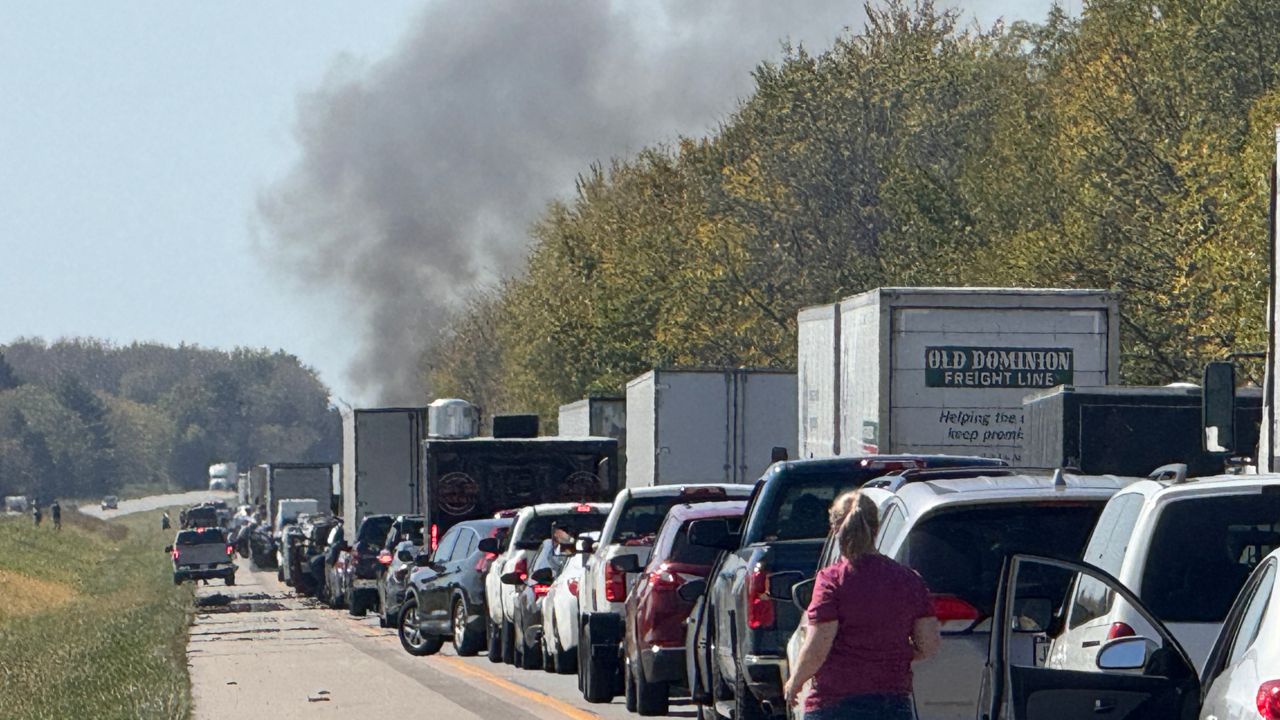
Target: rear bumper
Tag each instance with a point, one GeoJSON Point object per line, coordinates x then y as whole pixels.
{"type": "Point", "coordinates": [764, 674]}
{"type": "Point", "coordinates": [365, 584]}
{"type": "Point", "coordinates": [204, 574]}
{"type": "Point", "coordinates": [664, 664]}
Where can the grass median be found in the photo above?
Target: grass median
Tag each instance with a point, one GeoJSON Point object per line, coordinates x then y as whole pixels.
{"type": "Point", "coordinates": [91, 624]}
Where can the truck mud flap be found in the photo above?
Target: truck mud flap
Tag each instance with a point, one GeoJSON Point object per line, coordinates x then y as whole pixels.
{"type": "Point", "coordinates": [606, 635]}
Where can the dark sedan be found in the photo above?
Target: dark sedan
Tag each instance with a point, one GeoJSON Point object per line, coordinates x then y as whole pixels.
{"type": "Point", "coordinates": [445, 600]}
{"type": "Point", "coordinates": [546, 567]}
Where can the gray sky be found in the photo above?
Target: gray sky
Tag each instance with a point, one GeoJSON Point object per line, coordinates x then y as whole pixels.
{"type": "Point", "coordinates": [139, 139]}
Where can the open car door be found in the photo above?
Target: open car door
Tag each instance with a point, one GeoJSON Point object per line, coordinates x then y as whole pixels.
{"type": "Point", "coordinates": [1139, 673]}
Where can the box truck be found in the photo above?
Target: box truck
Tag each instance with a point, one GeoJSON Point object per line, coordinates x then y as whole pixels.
{"type": "Point", "coordinates": [1130, 430]}
{"type": "Point", "coordinates": [222, 476]}
{"type": "Point", "coordinates": [471, 478]}
{"type": "Point", "coordinates": [944, 370]}
{"type": "Point", "coordinates": [597, 417]}
{"type": "Point", "coordinates": [380, 456]}
{"type": "Point", "coordinates": [289, 481]}
{"type": "Point", "coordinates": [708, 426]}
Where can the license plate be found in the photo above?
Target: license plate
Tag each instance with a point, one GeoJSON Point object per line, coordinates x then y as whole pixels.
{"type": "Point", "coordinates": [366, 583]}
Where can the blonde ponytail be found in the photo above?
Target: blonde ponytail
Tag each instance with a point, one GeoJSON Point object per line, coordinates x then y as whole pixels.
{"type": "Point", "coordinates": [859, 526]}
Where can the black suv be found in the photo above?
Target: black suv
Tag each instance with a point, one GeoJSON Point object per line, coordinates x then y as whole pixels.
{"type": "Point", "coordinates": [361, 567]}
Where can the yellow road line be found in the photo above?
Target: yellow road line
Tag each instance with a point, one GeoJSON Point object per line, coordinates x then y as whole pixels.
{"type": "Point", "coordinates": [542, 699]}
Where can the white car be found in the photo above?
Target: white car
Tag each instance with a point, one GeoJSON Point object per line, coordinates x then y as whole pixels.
{"type": "Point", "coordinates": [532, 525]}
{"type": "Point", "coordinates": [1141, 677]}
{"type": "Point", "coordinates": [956, 532]}
{"type": "Point", "coordinates": [1184, 546]}
{"type": "Point", "coordinates": [560, 610]}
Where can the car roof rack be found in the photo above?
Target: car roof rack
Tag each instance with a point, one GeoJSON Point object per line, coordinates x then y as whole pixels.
{"type": "Point", "coordinates": [898, 478]}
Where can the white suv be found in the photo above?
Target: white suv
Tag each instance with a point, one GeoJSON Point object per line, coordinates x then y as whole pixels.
{"type": "Point", "coordinates": [956, 532]}
{"type": "Point", "coordinates": [1184, 547]}
{"type": "Point", "coordinates": [623, 549]}
{"type": "Point", "coordinates": [532, 526]}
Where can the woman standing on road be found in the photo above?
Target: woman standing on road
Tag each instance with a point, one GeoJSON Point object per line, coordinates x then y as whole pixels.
{"type": "Point", "coordinates": [869, 619]}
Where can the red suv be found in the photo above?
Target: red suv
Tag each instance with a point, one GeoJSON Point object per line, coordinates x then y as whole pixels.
{"type": "Point", "coordinates": [657, 609]}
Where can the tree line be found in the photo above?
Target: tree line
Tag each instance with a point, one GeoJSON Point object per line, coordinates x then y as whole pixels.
{"type": "Point", "coordinates": [80, 418]}
{"type": "Point", "coordinates": [1125, 149]}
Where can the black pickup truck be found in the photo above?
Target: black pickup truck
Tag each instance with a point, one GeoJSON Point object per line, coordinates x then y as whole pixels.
{"type": "Point", "coordinates": [738, 635]}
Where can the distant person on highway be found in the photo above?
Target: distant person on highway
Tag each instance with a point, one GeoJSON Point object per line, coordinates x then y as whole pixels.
{"type": "Point", "coordinates": [164, 521]}
{"type": "Point", "coordinates": [869, 619]}
{"type": "Point", "coordinates": [56, 511]}
{"type": "Point", "coordinates": [35, 514]}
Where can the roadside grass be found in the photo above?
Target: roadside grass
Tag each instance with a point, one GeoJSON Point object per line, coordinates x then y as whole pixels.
{"type": "Point", "coordinates": [105, 635]}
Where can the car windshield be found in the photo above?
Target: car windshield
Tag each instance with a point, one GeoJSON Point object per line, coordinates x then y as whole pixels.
{"type": "Point", "coordinates": [1202, 551]}
{"type": "Point", "coordinates": [959, 551]}
{"type": "Point", "coordinates": [374, 530]}
{"type": "Point", "coordinates": [211, 536]}
{"type": "Point", "coordinates": [642, 517]}
{"type": "Point", "coordinates": [410, 529]}
{"type": "Point", "coordinates": [540, 526]}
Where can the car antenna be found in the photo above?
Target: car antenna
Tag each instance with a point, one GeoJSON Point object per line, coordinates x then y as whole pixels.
{"type": "Point", "coordinates": [1059, 480]}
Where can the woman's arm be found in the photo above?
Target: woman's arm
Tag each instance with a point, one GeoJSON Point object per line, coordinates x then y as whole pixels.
{"type": "Point", "coordinates": [817, 645]}
{"type": "Point", "coordinates": [926, 637]}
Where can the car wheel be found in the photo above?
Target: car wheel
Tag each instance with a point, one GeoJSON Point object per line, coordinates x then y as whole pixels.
{"type": "Point", "coordinates": [629, 686]}
{"type": "Point", "coordinates": [548, 660]}
{"type": "Point", "coordinates": [412, 639]}
{"type": "Point", "coordinates": [566, 661]}
{"type": "Point", "coordinates": [231, 579]}
{"type": "Point", "coordinates": [355, 603]}
{"type": "Point", "coordinates": [651, 698]}
{"type": "Point", "coordinates": [177, 580]}
{"type": "Point", "coordinates": [383, 619]}
{"type": "Point", "coordinates": [745, 705]}
{"type": "Point", "coordinates": [467, 637]}
{"type": "Point", "coordinates": [508, 643]}
{"type": "Point", "coordinates": [495, 640]}
{"type": "Point", "coordinates": [530, 655]}
{"type": "Point", "coordinates": [596, 674]}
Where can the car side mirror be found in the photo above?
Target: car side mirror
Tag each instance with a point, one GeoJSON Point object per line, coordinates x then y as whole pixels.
{"type": "Point", "coordinates": [1126, 653]}
{"type": "Point", "coordinates": [422, 559]}
{"type": "Point", "coordinates": [782, 584]}
{"type": "Point", "coordinates": [168, 549]}
{"type": "Point", "coordinates": [802, 593]}
{"type": "Point", "coordinates": [405, 555]}
{"type": "Point", "coordinates": [692, 590]}
{"type": "Point", "coordinates": [543, 576]}
{"type": "Point", "coordinates": [512, 578]}
{"type": "Point", "coordinates": [488, 545]}
{"type": "Point", "coordinates": [626, 564]}
{"type": "Point", "coordinates": [585, 546]}
{"type": "Point", "coordinates": [713, 533]}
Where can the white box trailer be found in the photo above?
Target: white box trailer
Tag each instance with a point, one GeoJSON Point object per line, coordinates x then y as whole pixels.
{"type": "Point", "coordinates": [298, 481]}
{"type": "Point", "coordinates": [597, 417]}
{"type": "Point", "coordinates": [381, 462]}
{"type": "Point", "coordinates": [944, 370]}
{"type": "Point", "coordinates": [700, 426]}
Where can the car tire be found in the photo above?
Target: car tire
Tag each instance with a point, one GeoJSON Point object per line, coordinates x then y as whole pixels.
{"type": "Point", "coordinates": [355, 604]}
{"type": "Point", "coordinates": [177, 580]}
{"type": "Point", "coordinates": [383, 619]}
{"type": "Point", "coordinates": [494, 651]}
{"type": "Point", "coordinates": [530, 655]}
{"type": "Point", "coordinates": [652, 698]}
{"type": "Point", "coordinates": [412, 639]}
{"type": "Point", "coordinates": [468, 635]}
{"type": "Point", "coordinates": [548, 659]}
{"type": "Point", "coordinates": [231, 579]}
{"type": "Point", "coordinates": [629, 687]}
{"type": "Point", "coordinates": [566, 661]}
{"type": "Point", "coordinates": [745, 705]}
{"type": "Point", "coordinates": [508, 643]}
{"type": "Point", "coordinates": [596, 674]}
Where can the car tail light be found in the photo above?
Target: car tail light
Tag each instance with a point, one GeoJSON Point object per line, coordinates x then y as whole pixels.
{"type": "Point", "coordinates": [615, 584]}
{"type": "Point", "coordinates": [584, 508]}
{"type": "Point", "coordinates": [759, 605]}
{"type": "Point", "coordinates": [664, 579]}
{"type": "Point", "coordinates": [384, 557]}
{"type": "Point", "coordinates": [1120, 630]}
{"type": "Point", "coordinates": [954, 614]}
{"type": "Point", "coordinates": [573, 587]}
{"type": "Point", "coordinates": [175, 553]}
{"type": "Point", "coordinates": [435, 535]}
{"type": "Point", "coordinates": [231, 549]}
{"type": "Point", "coordinates": [1269, 700]}
{"type": "Point", "coordinates": [540, 590]}
{"type": "Point", "coordinates": [521, 569]}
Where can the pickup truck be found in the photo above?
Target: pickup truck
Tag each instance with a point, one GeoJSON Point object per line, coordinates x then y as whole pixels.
{"type": "Point", "coordinates": [738, 638]}
{"type": "Point", "coordinates": [622, 551]}
{"type": "Point", "coordinates": [202, 553]}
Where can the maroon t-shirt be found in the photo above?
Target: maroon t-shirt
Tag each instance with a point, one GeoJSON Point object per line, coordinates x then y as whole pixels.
{"type": "Point", "coordinates": [876, 604]}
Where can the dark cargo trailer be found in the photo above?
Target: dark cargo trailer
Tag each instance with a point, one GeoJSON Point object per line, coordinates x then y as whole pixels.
{"type": "Point", "coordinates": [477, 477]}
{"type": "Point", "coordinates": [1129, 430]}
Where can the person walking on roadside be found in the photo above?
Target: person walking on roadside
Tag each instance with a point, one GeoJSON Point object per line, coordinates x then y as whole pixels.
{"type": "Point", "coordinates": [870, 618]}
{"type": "Point", "coordinates": [55, 510]}
{"type": "Point", "coordinates": [35, 513]}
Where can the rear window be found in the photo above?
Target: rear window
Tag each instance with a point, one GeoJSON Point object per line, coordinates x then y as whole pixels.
{"type": "Point", "coordinates": [682, 551]}
{"type": "Point", "coordinates": [797, 508]}
{"type": "Point", "coordinates": [409, 530]}
{"type": "Point", "coordinates": [539, 526]}
{"type": "Point", "coordinates": [212, 536]}
{"type": "Point", "coordinates": [1203, 550]}
{"type": "Point", "coordinates": [374, 530]}
{"type": "Point", "coordinates": [960, 551]}
{"type": "Point", "coordinates": [641, 518]}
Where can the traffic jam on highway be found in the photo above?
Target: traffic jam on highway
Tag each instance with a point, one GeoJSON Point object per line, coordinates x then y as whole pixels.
{"type": "Point", "coordinates": [1084, 554]}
